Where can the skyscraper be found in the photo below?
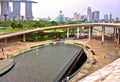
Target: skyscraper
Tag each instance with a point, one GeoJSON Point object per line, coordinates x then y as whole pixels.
{"type": "Point", "coordinates": [110, 17]}
{"type": "Point", "coordinates": [16, 10]}
{"type": "Point", "coordinates": [15, 15]}
{"type": "Point", "coordinates": [89, 14]}
{"type": "Point", "coordinates": [28, 11]}
{"type": "Point", "coordinates": [106, 17]}
{"type": "Point", "coordinates": [4, 8]}
{"type": "Point", "coordinates": [95, 16]}
{"type": "Point", "coordinates": [76, 16]}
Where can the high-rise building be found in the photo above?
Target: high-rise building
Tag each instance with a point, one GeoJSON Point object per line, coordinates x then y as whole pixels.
{"type": "Point", "coordinates": [4, 8]}
{"type": "Point", "coordinates": [15, 15]}
{"type": "Point", "coordinates": [89, 14]}
{"type": "Point", "coordinates": [76, 16]}
{"type": "Point", "coordinates": [95, 16]}
{"type": "Point", "coordinates": [110, 17]}
{"type": "Point", "coordinates": [28, 11]}
{"type": "Point", "coordinates": [106, 17]}
{"type": "Point", "coordinates": [16, 10]}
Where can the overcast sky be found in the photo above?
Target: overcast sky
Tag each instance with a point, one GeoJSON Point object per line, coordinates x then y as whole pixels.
{"type": "Point", "coordinates": [45, 8]}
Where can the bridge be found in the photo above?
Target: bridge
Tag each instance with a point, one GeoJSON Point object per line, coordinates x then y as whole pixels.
{"type": "Point", "coordinates": [90, 26]}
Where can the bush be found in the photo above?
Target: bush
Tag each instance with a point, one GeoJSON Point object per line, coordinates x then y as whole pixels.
{"type": "Point", "coordinates": [13, 25]}
{"type": "Point", "coordinates": [19, 25]}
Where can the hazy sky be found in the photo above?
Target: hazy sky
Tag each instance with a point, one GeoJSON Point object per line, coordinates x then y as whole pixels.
{"type": "Point", "coordinates": [45, 8]}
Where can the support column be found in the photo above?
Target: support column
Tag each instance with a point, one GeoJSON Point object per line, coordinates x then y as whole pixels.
{"type": "Point", "coordinates": [67, 32]}
{"type": "Point", "coordinates": [90, 32]}
{"type": "Point", "coordinates": [24, 38]}
{"type": "Point", "coordinates": [103, 34]}
{"type": "Point", "coordinates": [78, 32]}
{"type": "Point", "coordinates": [5, 43]}
{"type": "Point", "coordinates": [119, 37]}
{"type": "Point", "coordinates": [115, 35]}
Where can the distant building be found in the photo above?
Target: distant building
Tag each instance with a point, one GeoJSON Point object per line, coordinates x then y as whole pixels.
{"type": "Point", "coordinates": [60, 17]}
{"type": "Point", "coordinates": [95, 16]}
{"type": "Point", "coordinates": [16, 10]}
{"type": "Point", "coordinates": [117, 19]}
{"type": "Point", "coordinates": [15, 15]}
{"type": "Point", "coordinates": [28, 11]}
{"type": "Point", "coordinates": [106, 17]}
{"type": "Point", "coordinates": [67, 19]}
{"type": "Point", "coordinates": [82, 17]}
{"type": "Point", "coordinates": [76, 16]}
{"type": "Point", "coordinates": [89, 14]}
{"type": "Point", "coordinates": [110, 18]}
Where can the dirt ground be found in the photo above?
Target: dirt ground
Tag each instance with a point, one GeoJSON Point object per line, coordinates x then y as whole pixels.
{"type": "Point", "coordinates": [104, 53]}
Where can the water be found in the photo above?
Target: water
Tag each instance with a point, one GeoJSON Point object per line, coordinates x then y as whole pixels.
{"type": "Point", "coordinates": [40, 65]}
{"type": "Point", "coordinates": [108, 30]}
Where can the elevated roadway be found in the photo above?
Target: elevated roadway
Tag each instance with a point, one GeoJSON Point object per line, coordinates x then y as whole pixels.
{"type": "Point", "coordinates": [88, 25]}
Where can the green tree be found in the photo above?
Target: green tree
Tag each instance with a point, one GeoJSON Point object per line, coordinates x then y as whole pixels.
{"type": "Point", "coordinates": [19, 25]}
{"type": "Point", "coordinates": [13, 25]}
{"type": "Point", "coordinates": [54, 23]}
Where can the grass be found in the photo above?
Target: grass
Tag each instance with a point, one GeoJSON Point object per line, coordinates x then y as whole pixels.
{"type": "Point", "coordinates": [52, 30]}
{"type": "Point", "coordinates": [8, 30]}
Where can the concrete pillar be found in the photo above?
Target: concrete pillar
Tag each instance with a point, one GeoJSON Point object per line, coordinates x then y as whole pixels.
{"type": "Point", "coordinates": [103, 34]}
{"type": "Point", "coordinates": [115, 35]}
{"type": "Point", "coordinates": [78, 32]}
{"type": "Point", "coordinates": [67, 32]}
{"type": "Point", "coordinates": [24, 38]}
{"type": "Point", "coordinates": [5, 43]}
{"type": "Point", "coordinates": [118, 37]}
{"type": "Point", "coordinates": [90, 32]}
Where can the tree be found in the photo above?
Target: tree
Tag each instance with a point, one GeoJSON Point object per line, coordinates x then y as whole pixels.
{"type": "Point", "coordinates": [13, 25]}
{"type": "Point", "coordinates": [54, 23]}
{"type": "Point", "coordinates": [19, 25]}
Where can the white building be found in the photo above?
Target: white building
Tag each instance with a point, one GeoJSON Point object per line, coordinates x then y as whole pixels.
{"type": "Point", "coordinates": [89, 14]}
{"type": "Point", "coordinates": [76, 16]}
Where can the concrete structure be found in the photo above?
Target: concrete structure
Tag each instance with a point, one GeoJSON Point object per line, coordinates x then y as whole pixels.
{"type": "Point", "coordinates": [95, 16]}
{"type": "Point", "coordinates": [4, 5]}
{"type": "Point", "coordinates": [16, 10]}
{"type": "Point", "coordinates": [28, 11]}
{"type": "Point", "coordinates": [88, 25]}
{"type": "Point", "coordinates": [89, 14]}
{"type": "Point", "coordinates": [109, 73]}
{"type": "Point", "coordinates": [4, 9]}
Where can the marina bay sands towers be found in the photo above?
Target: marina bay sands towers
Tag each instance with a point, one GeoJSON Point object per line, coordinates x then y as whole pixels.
{"type": "Point", "coordinates": [15, 14]}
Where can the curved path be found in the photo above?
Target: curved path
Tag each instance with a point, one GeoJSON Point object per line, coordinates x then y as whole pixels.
{"type": "Point", "coordinates": [62, 26]}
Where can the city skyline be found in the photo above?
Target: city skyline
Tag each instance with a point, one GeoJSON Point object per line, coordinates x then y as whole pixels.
{"type": "Point", "coordinates": [45, 8]}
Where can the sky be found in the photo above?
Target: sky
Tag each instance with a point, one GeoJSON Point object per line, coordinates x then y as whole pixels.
{"type": "Point", "coordinates": [45, 8]}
